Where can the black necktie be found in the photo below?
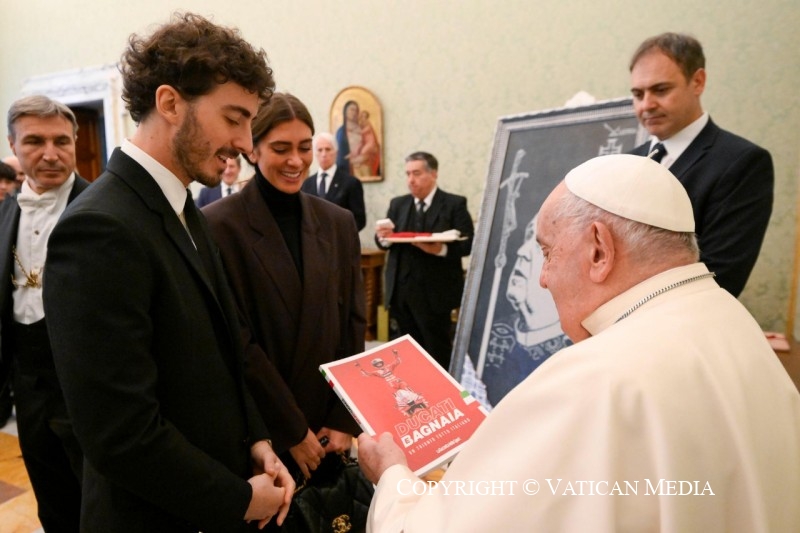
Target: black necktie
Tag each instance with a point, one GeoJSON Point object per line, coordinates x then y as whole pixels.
{"type": "Point", "coordinates": [657, 153]}
{"type": "Point", "coordinates": [198, 236]}
{"type": "Point", "coordinates": [321, 188]}
{"type": "Point", "coordinates": [419, 217]}
{"type": "Point", "coordinates": [230, 191]}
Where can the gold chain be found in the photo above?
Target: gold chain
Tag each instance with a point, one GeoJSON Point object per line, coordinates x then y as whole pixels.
{"type": "Point", "coordinates": [33, 279]}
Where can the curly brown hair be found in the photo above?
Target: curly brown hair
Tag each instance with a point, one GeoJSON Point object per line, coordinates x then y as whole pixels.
{"type": "Point", "coordinates": [192, 55]}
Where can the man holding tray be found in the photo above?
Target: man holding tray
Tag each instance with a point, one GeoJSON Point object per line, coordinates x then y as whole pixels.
{"type": "Point", "coordinates": [424, 280]}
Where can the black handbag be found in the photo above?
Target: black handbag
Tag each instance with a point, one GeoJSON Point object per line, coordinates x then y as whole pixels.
{"type": "Point", "coordinates": [336, 499]}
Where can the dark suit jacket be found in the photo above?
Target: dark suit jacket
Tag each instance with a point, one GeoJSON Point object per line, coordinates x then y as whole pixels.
{"type": "Point", "coordinates": [9, 226]}
{"type": "Point", "coordinates": [147, 349]}
{"type": "Point", "coordinates": [345, 191]}
{"type": "Point", "coordinates": [293, 325]}
{"type": "Point", "coordinates": [730, 183]}
{"type": "Point", "coordinates": [208, 195]}
{"type": "Point", "coordinates": [443, 281]}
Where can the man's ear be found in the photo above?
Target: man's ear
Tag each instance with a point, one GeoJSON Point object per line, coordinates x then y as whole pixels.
{"type": "Point", "coordinates": [698, 82]}
{"type": "Point", "coordinates": [169, 104]}
{"type": "Point", "coordinates": [603, 252]}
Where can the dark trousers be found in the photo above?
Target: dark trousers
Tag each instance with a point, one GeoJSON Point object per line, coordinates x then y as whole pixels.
{"type": "Point", "coordinates": [411, 313]}
{"type": "Point", "coordinates": [49, 447]}
{"type": "Point", "coordinates": [6, 395]}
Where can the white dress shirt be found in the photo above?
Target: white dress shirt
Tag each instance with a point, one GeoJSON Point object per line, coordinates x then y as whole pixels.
{"type": "Point", "coordinates": [38, 216]}
{"type": "Point", "coordinates": [678, 143]}
{"type": "Point", "coordinates": [329, 172]}
{"type": "Point", "coordinates": [234, 188]}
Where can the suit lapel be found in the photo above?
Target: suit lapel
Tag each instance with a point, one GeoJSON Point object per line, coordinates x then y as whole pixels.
{"type": "Point", "coordinates": [138, 179]}
{"type": "Point", "coordinates": [9, 225]}
{"type": "Point", "coordinates": [215, 193]}
{"type": "Point", "coordinates": [316, 276]}
{"type": "Point", "coordinates": [403, 220]}
{"type": "Point", "coordinates": [310, 185]}
{"type": "Point", "coordinates": [271, 249]}
{"type": "Point", "coordinates": [336, 182]}
{"type": "Point", "coordinates": [642, 150]}
{"type": "Point", "coordinates": [433, 211]}
{"type": "Point", "coordinates": [696, 150]}
{"type": "Point", "coordinates": [221, 308]}
{"type": "Point", "coordinates": [78, 187]}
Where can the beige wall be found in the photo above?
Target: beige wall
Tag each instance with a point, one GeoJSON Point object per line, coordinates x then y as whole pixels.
{"type": "Point", "coordinates": [446, 70]}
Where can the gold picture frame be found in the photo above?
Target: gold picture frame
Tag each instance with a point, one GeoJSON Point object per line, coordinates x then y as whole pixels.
{"type": "Point", "coordinates": [357, 123]}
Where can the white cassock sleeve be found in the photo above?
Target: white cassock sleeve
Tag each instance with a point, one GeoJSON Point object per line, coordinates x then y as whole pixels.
{"type": "Point", "coordinates": [392, 501]}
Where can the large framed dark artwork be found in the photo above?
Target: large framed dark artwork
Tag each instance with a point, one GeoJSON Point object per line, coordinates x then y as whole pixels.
{"type": "Point", "coordinates": [508, 324]}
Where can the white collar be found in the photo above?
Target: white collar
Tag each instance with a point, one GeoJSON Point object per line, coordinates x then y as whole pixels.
{"type": "Point", "coordinates": [168, 182]}
{"type": "Point", "coordinates": [329, 172]}
{"type": "Point", "coordinates": [53, 200]}
{"type": "Point", "coordinates": [428, 199]}
{"type": "Point", "coordinates": [678, 143]}
{"type": "Point", "coordinates": [609, 313]}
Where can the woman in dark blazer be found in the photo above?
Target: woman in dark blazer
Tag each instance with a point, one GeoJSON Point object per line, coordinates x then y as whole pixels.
{"type": "Point", "coordinates": [294, 264]}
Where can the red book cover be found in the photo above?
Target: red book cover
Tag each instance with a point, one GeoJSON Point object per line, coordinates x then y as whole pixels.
{"type": "Point", "coordinates": [399, 388]}
{"type": "Point", "coordinates": [402, 234]}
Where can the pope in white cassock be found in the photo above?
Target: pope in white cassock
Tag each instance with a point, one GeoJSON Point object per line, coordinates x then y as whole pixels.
{"type": "Point", "coordinates": [669, 413]}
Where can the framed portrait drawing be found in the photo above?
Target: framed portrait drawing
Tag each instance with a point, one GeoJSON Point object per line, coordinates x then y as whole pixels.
{"type": "Point", "coordinates": [357, 124]}
{"type": "Point", "coordinates": [508, 324]}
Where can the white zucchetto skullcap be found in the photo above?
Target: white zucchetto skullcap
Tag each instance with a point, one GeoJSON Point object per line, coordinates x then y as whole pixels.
{"type": "Point", "coordinates": [633, 187]}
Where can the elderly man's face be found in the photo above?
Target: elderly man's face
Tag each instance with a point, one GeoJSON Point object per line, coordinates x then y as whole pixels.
{"type": "Point", "coordinates": [420, 179]}
{"type": "Point", "coordinates": [565, 268]}
{"type": "Point", "coordinates": [534, 303]}
{"type": "Point", "coordinates": [45, 147]}
{"type": "Point", "coordinates": [325, 152]}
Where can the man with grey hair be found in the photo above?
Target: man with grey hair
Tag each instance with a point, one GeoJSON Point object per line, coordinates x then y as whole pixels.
{"type": "Point", "coordinates": [42, 134]}
{"type": "Point", "coordinates": [333, 182]}
{"type": "Point", "coordinates": [670, 396]}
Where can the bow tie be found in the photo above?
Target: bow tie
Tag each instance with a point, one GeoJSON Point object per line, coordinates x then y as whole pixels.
{"type": "Point", "coordinates": [32, 201]}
